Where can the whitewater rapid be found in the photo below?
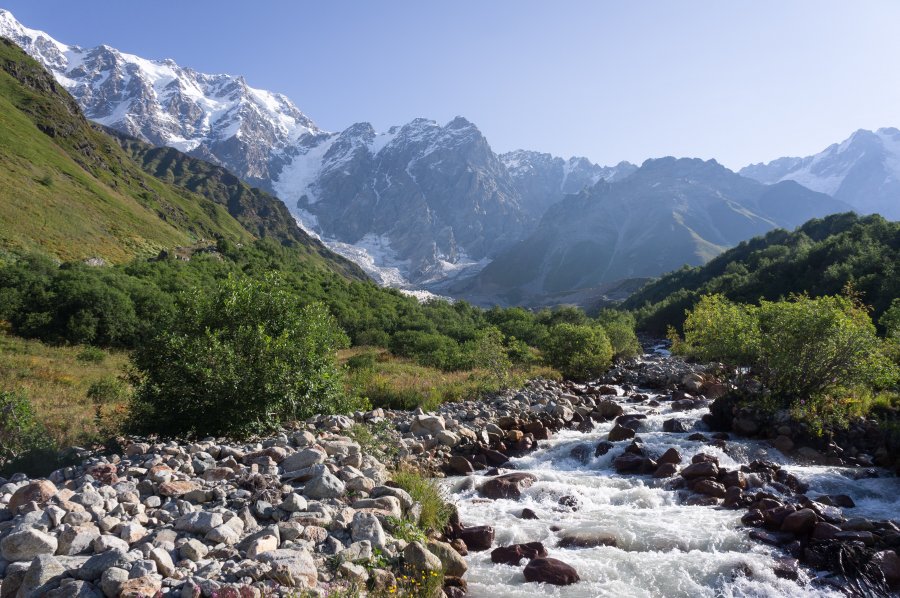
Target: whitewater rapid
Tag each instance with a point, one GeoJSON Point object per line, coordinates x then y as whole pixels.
{"type": "Point", "coordinates": [663, 548]}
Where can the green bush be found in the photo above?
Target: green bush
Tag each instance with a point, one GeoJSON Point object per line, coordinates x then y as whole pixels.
{"type": "Point", "coordinates": [802, 349]}
{"type": "Point", "coordinates": [488, 352]}
{"type": "Point", "coordinates": [619, 327]}
{"type": "Point", "coordinates": [91, 355]}
{"type": "Point", "coordinates": [720, 330]}
{"type": "Point", "coordinates": [24, 443]}
{"type": "Point", "coordinates": [578, 351]}
{"type": "Point", "coordinates": [239, 360]}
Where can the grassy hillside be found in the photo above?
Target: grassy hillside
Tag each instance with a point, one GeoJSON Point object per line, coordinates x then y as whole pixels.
{"type": "Point", "coordinates": [820, 258]}
{"type": "Point", "coordinates": [70, 191]}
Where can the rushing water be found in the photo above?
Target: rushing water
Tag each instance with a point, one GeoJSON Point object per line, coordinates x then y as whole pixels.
{"type": "Point", "coordinates": [663, 548]}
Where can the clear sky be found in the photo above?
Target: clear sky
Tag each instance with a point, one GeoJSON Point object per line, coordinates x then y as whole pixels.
{"type": "Point", "coordinates": [737, 81]}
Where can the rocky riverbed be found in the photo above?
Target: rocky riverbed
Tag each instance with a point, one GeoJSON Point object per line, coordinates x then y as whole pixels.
{"type": "Point", "coordinates": [614, 488]}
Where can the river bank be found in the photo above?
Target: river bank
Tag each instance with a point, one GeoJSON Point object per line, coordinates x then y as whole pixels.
{"type": "Point", "coordinates": [625, 488]}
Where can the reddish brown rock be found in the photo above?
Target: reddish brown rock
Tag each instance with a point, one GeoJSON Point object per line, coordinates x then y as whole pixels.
{"type": "Point", "coordinates": [39, 491]}
{"type": "Point", "coordinates": [177, 488]}
{"type": "Point", "coordinates": [665, 470]}
{"type": "Point", "coordinates": [704, 469]}
{"type": "Point", "coordinates": [799, 522]}
{"type": "Point", "coordinates": [507, 486]}
{"type": "Point", "coordinates": [670, 456]}
{"type": "Point", "coordinates": [552, 571]}
{"type": "Point", "coordinates": [513, 555]}
{"type": "Point", "coordinates": [477, 538]}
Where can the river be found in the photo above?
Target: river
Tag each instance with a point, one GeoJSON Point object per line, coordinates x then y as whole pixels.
{"type": "Point", "coordinates": [663, 547]}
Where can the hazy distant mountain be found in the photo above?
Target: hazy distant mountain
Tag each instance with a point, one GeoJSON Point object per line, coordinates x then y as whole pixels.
{"type": "Point", "coordinates": [863, 171]}
{"type": "Point", "coordinates": [668, 213]}
{"type": "Point", "coordinates": [543, 179]}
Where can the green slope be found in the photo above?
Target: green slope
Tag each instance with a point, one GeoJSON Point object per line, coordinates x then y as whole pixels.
{"type": "Point", "coordinates": [820, 258]}
{"type": "Point", "coordinates": [70, 191]}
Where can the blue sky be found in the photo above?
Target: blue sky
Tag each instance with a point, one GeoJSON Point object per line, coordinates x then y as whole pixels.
{"type": "Point", "coordinates": [737, 81]}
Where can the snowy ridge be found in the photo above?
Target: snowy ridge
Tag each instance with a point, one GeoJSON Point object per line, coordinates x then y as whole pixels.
{"type": "Point", "coordinates": [863, 170]}
{"type": "Point", "coordinates": [166, 104]}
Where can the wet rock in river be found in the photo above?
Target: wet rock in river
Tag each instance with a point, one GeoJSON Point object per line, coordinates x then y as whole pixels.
{"type": "Point", "coordinates": [510, 485]}
{"type": "Point", "coordinates": [514, 554]}
{"type": "Point", "coordinates": [552, 571]}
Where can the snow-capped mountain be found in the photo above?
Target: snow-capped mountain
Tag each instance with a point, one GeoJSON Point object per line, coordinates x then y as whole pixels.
{"type": "Point", "coordinates": [542, 179]}
{"type": "Point", "coordinates": [215, 117]}
{"type": "Point", "coordinates": [863, 171]}
{"type": "Point", "coordinates": [427, 200]}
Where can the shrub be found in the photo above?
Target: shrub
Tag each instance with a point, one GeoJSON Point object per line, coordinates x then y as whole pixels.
{"type": "Point", "coordinates": [619, 327]}
{"type": "Point", "coordinates": [718, 329]}
{"type": "Point", "coordinates": [488, 352]}
{"type": "Point", "coordinates": [802, 349]}
{"type": "Point", "coordinates": [579, 352]}
{"type": "Point", "coordinates": [241, 359]}
{"type": "Point", "coordinates": [24, 442]}
{"type": "Point", "coordinates": [91, 355]}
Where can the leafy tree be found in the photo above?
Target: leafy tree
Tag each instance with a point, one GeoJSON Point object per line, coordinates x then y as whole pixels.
{"type": "Point", "coordinates": [578, 351]}
{"type": "Point", "coordinates": [489, 352]}
{"type": "Point", "coordinates": [619, 327]}
{"type": "Point", "coordinates": [720, 330]}
{"type": "Point", "coordinates": [800, 349]}
{"type": "Point", "coordinates": [240, 359]}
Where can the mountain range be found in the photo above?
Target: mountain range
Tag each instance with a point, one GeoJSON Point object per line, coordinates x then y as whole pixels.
{"type": "Point", "coordinates": [429, 205]}
{"type": "Point", "coordinates": [686, 210]}
{"type": "Point", "coordinates": [863, 170]}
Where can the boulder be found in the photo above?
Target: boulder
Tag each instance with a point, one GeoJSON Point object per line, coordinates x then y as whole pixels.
{"type": "Point", "coordinates": [27, 544]}
{"type": "Point", "coordinates": [39, 491]}
{"type": "Point", "coordinates": [620, 432]}
{"type": "Point", "coordinates": [460, 465]}
{"type": "Point", "coordinates": [513, 555]}
{"type": "Point", "coordinates": [477, 538]}
{"type": "Point", "coordinates": [303, 458]}
{"type": "Point", "coordinates": [427, 425]}
{"type": "Point", "coordinates": [452, 562]}
{"type": "Point", "coordinates": [889, 563]}
{"type": "Point", "coordinates": [552, 571]}
{"type": "Point", "coordinates": [43, 570]}
{"type": "Point", "coordinates": [704, 469]}
{"type": "Point", "coordinates": [586, 539]}
{"type": "Point", "coordinates": [509, 486]}
{"type": "Point", "coordinates": [365, 526]}
{"type": "Point", "coordinates": [324, 486]}
{"type": "Point", "coordinates": [140, 587]}
{"type": "Point", "coordinates": [799, 522]}
{"type": "Point", "coordinates": [292, 568]}
{"type": "Point", "coordinates": [670, 456]}
{"type": "Point", "coordinates": [418, 558]}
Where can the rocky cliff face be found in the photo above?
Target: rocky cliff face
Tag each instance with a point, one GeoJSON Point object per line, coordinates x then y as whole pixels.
{"type": "Point", "coordinates": [863, 170]}
{"type": "Point", "coordinates": [670, 212]}
{"type": "Point", "coordinates": [435, 197]}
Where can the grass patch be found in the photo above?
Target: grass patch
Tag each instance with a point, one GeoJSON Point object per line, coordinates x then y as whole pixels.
{"type": "Point", "coordinates": [436, 511]}
{"type": "Point", "coordinates": [57, 381]}
{"type": "Point", "coordinates": [400, 383]}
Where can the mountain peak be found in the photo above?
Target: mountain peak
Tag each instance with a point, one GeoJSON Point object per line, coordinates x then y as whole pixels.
{"type": "Point", "coordinates": [863, 170]}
